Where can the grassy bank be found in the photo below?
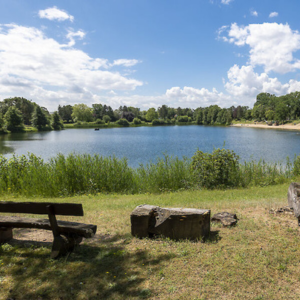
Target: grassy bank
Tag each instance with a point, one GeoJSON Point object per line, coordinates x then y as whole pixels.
{"type": "Point", "coordinates": [257, 259]}
{"type": "Point", "coordinates": [92, 174]}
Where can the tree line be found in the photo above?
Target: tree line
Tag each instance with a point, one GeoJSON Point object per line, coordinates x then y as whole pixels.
{"type": "Point", "coordinates": [17, 112]}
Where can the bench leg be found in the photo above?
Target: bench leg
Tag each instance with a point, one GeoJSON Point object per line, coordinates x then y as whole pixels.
{"type": "Point", "coordinates": [64, 244]}
{"type": "Point", "coordinates": [6, 234]}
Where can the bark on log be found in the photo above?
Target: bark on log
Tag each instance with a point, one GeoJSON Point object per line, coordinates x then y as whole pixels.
{"type": "Point", "coordinates": [64, 227]}
{"type": "Point", "coordinates": [294, 198]}
{"type": "Point", "coordinates": [175, 223]}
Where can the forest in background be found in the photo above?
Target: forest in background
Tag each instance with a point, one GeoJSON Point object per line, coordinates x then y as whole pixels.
{"type": "Point", "coordinates": [18, 113]}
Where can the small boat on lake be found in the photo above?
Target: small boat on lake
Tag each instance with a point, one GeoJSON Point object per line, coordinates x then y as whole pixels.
{"type": "Point", "coordinates": [97, 128]}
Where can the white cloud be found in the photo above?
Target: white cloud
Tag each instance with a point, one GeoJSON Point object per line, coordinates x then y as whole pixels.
{"type": "Point", "coordinates": [226, 1]}
{"type": "Point", "coordinates": [71, 35]}
{"type": "Point", "coordinates": [273, 14]}
{"type": "Point", "coordinates": [35, 66]}
{"type": "Point", "coordinates": [271, 45]}
{"type": "Point", "coordinates": [54, 13]}
{"type": "Point", "coordinates": [125, 62]}
{"type": "Point", "coordinates": [254, 13]}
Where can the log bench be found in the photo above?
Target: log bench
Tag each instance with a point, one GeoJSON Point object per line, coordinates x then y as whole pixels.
{"type": "Point", "coordinates": [65, 234]}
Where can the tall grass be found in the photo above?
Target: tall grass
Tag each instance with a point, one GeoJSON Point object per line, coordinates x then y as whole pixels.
{"type": "Point", "coordinates": [91, 174]}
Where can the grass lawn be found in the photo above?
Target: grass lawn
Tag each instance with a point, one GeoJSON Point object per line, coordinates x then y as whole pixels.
{"type": "Point", "coordinates": [257, 259]}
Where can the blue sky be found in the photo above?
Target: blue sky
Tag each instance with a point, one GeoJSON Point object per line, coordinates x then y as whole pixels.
{"type": "Point", "coordinates": [146, 53]}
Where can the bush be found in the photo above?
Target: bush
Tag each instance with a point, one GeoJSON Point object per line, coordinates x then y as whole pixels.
{"type": "Point", "coordinates": [183, 119]}
{"type": "Point", "coordinates": [137, 121]}
{"type": "Point", "coordinates": [106, 119]}
{"type": "Point", "coordinates": [156, 122]}
{"type": "Point", "coordinates": [296, 168]}
{"type": "Point", "coordinates": [216, 170]}
{"type": "Point", "coordinates": [123, 122]}
{"type": "Point", "coordinates": [99, 121]}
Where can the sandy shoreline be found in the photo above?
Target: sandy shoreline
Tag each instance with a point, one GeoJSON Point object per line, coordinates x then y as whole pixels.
{"type": "Point", "coordinates": [258, 125]}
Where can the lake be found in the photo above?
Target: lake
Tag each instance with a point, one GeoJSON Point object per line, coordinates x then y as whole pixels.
{"type": "Point", "coordinates": [145, 144]}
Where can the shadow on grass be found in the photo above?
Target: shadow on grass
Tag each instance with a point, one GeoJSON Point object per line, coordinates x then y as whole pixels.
{"type": "Point", "coordinates": [214, 237]}
{"type": "Point", "coordinates": [100, 270]}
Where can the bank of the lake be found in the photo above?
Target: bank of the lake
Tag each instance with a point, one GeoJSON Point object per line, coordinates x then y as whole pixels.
{"type": "Point", "coordinates": [256, 259]}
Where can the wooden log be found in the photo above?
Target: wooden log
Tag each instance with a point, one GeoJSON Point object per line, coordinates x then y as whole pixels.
{"type": "Point", "coordinates": [175, 223]}
{"type": "Point", "coordinates": [80, 229]}
{"type": "Point", "coordinates": [294, 198]}
{"type": "Point", "coordinates": [140, 220]}
{"type": "Point", "coordinates": [40, 208]}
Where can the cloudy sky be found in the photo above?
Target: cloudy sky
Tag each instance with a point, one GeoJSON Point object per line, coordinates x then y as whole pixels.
{"type": "Point", "coordinates": [146, 53]}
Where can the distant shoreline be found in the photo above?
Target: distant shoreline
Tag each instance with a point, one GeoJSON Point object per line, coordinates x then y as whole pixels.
{"type": "Point", "coordinates": [264, 126]}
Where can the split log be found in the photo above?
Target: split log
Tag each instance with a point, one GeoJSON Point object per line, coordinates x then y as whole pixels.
{"type": "Point", "coordinates": [294, 198]}
{"type": "Point", "coordinates": [175, 223]}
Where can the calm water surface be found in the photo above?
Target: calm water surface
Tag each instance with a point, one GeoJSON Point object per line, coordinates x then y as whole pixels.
{"type": "Point", "coordinates": [145, 144]}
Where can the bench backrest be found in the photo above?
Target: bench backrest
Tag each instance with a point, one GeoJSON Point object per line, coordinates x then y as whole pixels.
{"type": "Point", "coordinates": [41, 208]}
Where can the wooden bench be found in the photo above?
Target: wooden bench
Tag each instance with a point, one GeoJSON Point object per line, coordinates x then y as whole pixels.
{"type": "Point", "coordinates": [66, 234]}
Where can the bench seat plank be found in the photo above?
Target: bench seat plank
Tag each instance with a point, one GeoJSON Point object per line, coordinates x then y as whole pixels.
{"type": "Point", "coordinates": [65, 227]}
{"type": "Point", "coordinates": [40, 208]}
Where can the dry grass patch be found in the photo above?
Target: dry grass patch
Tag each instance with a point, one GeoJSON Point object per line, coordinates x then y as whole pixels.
{"type": "Point", "coordinates": [257, 259]}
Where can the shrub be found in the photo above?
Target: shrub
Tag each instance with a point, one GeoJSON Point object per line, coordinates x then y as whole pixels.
{"type": "Point", "coordinates": [183, 119]}
{"type": "Point", "coordinates": [99, 121]}
{"type": "Point", "coordinates": [106, 119]}
{"type": "Point", "coordinates": [137, 121]}
{"type": "Point", "coordinates": [123, 122]}
{"type": "Point", "coordinates": [158, 122]}
{"type": "Point", "coordinates": [296, 168]}
{"type": "Point", "coordinates": [216, 170]}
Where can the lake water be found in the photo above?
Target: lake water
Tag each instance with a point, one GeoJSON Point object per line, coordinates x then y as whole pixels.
{"type": "Point", "coordinates": [145, 144]}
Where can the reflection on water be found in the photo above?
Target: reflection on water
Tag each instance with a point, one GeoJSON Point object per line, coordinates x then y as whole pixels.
{"type": "Point", "coordinates": [145, 144]}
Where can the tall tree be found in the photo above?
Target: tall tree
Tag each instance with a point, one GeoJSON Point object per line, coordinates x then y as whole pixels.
{"type": "Point", "coordinates": [13, 119]}
{"type": "Point", "coordinates": [56, 122]}
{"type": "Point", "coordinates": [81, 112]}
{"type": "Point", "coordinates": [39, 118]}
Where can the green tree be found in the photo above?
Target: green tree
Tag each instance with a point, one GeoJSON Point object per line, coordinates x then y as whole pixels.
{"type": "Point", "coordinates": [270, 114]}
{"type": "Point", "coordinates": [163, 111]}
{"type": "Point", "coordinates": [281, 112]}
{"type": "Point", "coordinates": [151, 114]}
{"type": "Point", "coordinates": [65, 112]}
{"type": "Point", "coordinates": [106, 118]}
{"type": "Point", "coordinates": [1, 121]}
{"type": "Point", "coordinates": [81, 112]}
{"type": "Point", "coordinates": [39, 118]}
{"type": "Point", "coordinates": [13, 119]}
{"type": "Point", "coordinates": [56, 122]}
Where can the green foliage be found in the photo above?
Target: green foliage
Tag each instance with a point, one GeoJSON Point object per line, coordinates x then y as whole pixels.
{"type": "Point", "coordinates": [81, 112]}
{"type": "Point", "coordinates": [26, 107]}
{"type": "Point", "coordinates": [151, 114]}
{"type": "Point", "coordinates": [123, 122]}
{"type": "Point", "coordinates": [183, 119]}
{"type": "Point", "coordinates": [13, 119]}
{"type": "Point", "coordinates": [137, 121]}
{"type": "Point", "coordinates": [215, 170]}
{"type": "Point", "coordinates": [80, 174]}
{"type": "Point", "coordinates": [1, 121]}
{"type": "Point", "coordinates": [99, 121]}
{"type": "Point", "coordinates": [39, 118]}
{"type": "Point", "coordinates": [65, 112]}
{"type": "Point", "coordinates": [106, 119]}
{"type": "Point", "coordinates": [156, 122]}
{"type": "Point", "coordinates": [296, 167]}
{"type": "Point", "coordinates": [56, 122]}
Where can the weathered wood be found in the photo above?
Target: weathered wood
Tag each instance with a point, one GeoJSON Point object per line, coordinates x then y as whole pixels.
{"type": "Point", "coordinates": [40, 208]}
{"type": "Point", "coordinates": [225, 218]}
{"type": "Point", "coordinates": [294, 198]}
{"type": "Point", "coordinates": [52, 220]}
{"type": "Point", "coordinates": [175, 223]}
{"type": "Point", "coordinates": [64, 227]}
